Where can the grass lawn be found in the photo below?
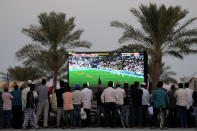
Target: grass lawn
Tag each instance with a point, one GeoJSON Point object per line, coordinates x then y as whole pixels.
{"type": "Point", "coordinates": [92, 76]}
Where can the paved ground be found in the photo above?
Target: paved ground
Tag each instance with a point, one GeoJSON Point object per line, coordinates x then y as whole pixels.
{"type": "Point", "coordinates": [109, 129]}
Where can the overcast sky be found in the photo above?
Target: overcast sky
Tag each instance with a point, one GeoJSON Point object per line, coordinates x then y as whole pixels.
{"type": "Point", "coordinates": [93, 16]}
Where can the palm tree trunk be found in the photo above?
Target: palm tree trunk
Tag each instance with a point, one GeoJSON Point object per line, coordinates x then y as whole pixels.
{"type": "Point", "coordinates": [55, 71]}
{"type": "Point", "coordinates": [156, 69]}
{"type": "Point", "coordinates": [55, 78]}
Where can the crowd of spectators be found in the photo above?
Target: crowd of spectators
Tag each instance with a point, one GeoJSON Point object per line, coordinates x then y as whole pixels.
{"type": "Point", "coordinates": [130, 106]}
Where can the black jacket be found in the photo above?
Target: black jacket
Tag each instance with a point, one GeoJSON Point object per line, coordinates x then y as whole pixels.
{"type": "Point", "coordinates": [136, 95]}
{"type": "Point", "coordinates": [31, 102]}
{"type": "Point", "coordinates": [172, 99]}
{"type": "Point", "coordinates": [98, 97]}
{"type": "Point", "coordinates": [59, 93]}
{"type": "Point", "coordinates": [195, 98]}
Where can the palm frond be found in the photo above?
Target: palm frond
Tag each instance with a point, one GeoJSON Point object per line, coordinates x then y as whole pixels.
{"type": "Point", "coordinates": [173, 54]}
{"type": "Point", "coordinates": [119, 25]}
{"type": "Point", "coordinates": [72, 37]}
{"type": "Point", "coordinates": [78, 44]}
{"type": "Point", "coordinates": [36, 34]}
{"type": "Point", "coordinates": [136, 35]}
{"type": "Point", "coordinates": [142, 21]}
{"type": "Point", "coordinates": [169, 73]}
{"type": "Point", "coordinates": [185, 42]}
{"type": "Point", "coordinates": [183, 26]}
{"type": "Point", "coordinates": [169, 80]}
{"type": "Point", "coordinates": [165, 68]}
{"type": "Point", "coordinates": [29, 53]}
{"type": "Point", "coordinates": [132, 34]}
{"type": "Point", "coordinates": [130, 48]}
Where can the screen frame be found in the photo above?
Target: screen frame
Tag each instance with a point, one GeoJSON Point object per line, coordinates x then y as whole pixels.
{"type": "Point", "coordinates": [94, 52]}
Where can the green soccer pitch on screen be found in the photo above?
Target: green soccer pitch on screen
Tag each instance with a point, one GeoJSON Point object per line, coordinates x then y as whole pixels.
{"type": "Point", "coordinates": [100, 67]}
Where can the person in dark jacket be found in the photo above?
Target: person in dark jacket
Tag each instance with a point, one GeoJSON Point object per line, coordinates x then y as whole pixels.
{"type": "Point", "coordinates": [172, 107]}
{"type": "Point", "coordinates": [30, 106]}
{"type": "Point", "coordinates": [100, 105]}
{"type": "Point", "coordinates": [16, 107]}
{"type": "Point", "coordinates": [136, 96]}
{"type": "Point", "coordinates": [194, 96]}
{"type": "Point", "coordinates": [59, 93]}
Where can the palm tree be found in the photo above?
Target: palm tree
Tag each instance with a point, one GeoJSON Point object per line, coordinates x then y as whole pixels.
{"type": "Point", "coordinates": [52, 38]}
{"type": "Point", "coordinates": [161, 34]}
{"type": "Point", "coordinates": [166, 75]}
{"type": "Point", "coordinates": [19, 73]}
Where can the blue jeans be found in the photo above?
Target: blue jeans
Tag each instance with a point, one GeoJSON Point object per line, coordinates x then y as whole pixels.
{"type": "Point", "coordinates": [77, 116]}
{"type": "Point", "coordinates": [3, 116]}
{"type": "Point", "coordinates": [182, 115]}
{"type": "Point", "coordinates": [30, 114]}
{"type": "Point", "coordinates": [99, 110]}
{"type": "Point", "coordinates": [123, 114]}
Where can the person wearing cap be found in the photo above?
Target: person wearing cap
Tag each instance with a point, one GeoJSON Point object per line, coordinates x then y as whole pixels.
{"type": "Point", "coordinates": [120, 95]}
{"type": "Point", "coordinates": [24, 94]}
{"type": "Point", "coordinates": [109, 98]}
{"type": "Point", "coordinates": [87, 97]}
{"type": "Point", "coordinates": [77, 103]}
{"type": "Point", "coordinates": [100, 105]}
{"type": "Point", "coordinates": [30, 108]}
{"type": "Point", "coordinates": [145, 102]}
{"type": "Point", "coordinates": [59, 93]}
{"type": "Point", "coordinates": [24, 100]}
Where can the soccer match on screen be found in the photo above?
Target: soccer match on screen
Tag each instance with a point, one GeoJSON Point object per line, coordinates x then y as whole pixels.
{"type": "Point", "coordinates": [99, 68]}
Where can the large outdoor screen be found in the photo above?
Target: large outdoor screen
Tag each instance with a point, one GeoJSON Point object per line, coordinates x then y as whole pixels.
{"type": "Point", "coordinates": [99, 68]}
